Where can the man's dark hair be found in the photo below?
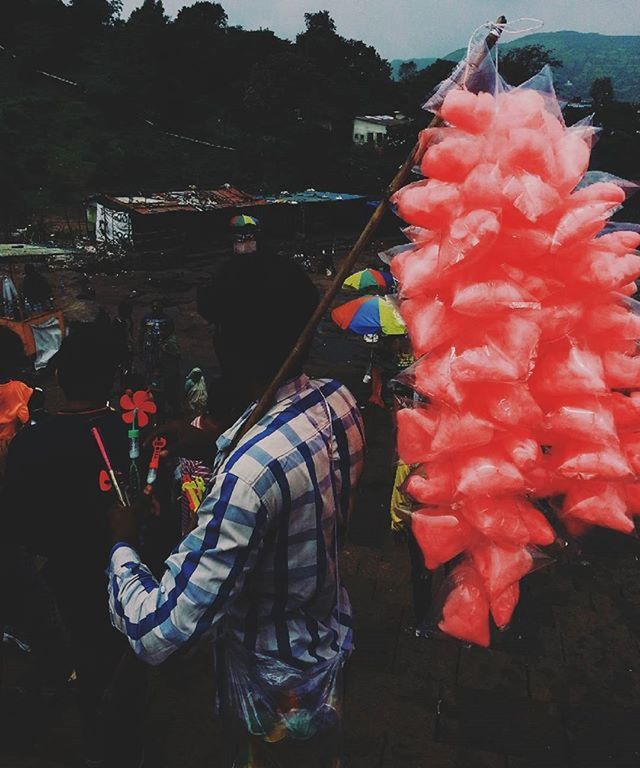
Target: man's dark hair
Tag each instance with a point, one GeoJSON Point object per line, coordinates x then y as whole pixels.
{"type": "Point", "coordinates": [12, 355]}
{"type": "Point", "coordinates": [260, 302]}
{"type": "Point", "coordinates": [86, 364]}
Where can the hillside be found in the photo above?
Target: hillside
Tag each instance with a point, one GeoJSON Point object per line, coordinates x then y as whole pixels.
{"type": "Point", "coordinates": [585, 56]}
{"type": "Point", "coordinates": [420, 63]}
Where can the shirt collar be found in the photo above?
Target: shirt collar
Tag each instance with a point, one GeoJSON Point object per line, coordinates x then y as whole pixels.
{"type": "Point", "coordinates": [286, 391]}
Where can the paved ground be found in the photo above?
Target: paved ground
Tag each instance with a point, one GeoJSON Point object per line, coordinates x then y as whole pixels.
{"type": "Point", "coordinates": [560, 688]}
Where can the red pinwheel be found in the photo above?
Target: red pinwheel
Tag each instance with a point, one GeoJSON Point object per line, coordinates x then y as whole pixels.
{"type": "Point", "coordinates": [140, 402]}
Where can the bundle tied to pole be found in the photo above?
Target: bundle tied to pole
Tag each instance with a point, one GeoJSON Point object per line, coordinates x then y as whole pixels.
{"type": "Point", "coordinates": [414, 158]}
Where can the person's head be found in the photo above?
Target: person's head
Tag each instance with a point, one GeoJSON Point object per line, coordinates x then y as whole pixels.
{"type": "Point", "coordinates": [195, 374]}
{"type": "Point", "coordinates": [258, 305]}
{"type": "Point", "coordinates": [125, 310]}
{"type": "Point", "coordinates": [13, 359]}
{"type": "Point", "coordinates": [86, 365]}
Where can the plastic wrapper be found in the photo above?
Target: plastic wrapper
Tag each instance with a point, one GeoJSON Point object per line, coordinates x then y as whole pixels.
{"type": "Point", "coordinates": [501, 566]}
{"type": "Point", "coordinates": [274, 701]}
{"type": "Point", "coordinates": [503, 605]}
{"type": "Point", "coordinates": [516, 295]}
{"type": "Point", "coordinates": [465, 613]}
{"type": "Point", "coordinates": [441, 533]}
{"type": "Point", "coordinates": [598, 503]}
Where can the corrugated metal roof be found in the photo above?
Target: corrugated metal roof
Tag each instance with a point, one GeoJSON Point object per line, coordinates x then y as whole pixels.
{"type": "Point", "coordinates": [310, 196]}
{"type": "Point", "coordinates": [28, 251]}
{"type": "Point", "coordinates": [383, 119]}
{"type": "Point", "coordinates": [186, 201]}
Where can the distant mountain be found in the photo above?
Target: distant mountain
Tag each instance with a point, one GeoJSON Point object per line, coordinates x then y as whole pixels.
{"type": "Point", "coordinates": [585, 57]}
{"type": "Point", "coordinates": [420, 63]}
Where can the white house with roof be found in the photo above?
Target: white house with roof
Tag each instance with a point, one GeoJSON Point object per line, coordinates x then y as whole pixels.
{"type": "Point", "coordinates": [374, 129]}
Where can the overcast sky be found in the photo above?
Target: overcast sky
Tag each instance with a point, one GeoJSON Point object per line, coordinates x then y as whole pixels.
{"type": "Point", "coordinates": [420, 28]}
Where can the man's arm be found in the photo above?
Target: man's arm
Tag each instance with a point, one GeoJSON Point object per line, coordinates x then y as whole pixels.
{"type": "Point", "coordinates": [202, 577]}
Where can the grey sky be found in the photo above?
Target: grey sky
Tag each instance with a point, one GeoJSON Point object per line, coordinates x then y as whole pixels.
{"type": "Point", "coordinates": [419, 28]}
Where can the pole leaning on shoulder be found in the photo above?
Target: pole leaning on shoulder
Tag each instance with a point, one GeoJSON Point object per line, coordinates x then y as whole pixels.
{"type": "Point", "coordinates": [399, 180]}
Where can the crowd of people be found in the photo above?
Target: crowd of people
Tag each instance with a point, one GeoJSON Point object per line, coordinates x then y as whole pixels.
{"type": "Point", "coordinates": [236, 540]}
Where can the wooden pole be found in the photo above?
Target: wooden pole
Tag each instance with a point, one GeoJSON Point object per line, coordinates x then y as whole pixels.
{"type": "Point", "coordinates": [399, 180]}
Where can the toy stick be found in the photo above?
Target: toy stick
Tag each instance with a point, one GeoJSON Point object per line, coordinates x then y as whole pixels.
{"type": "Point", "coordinates": [414, 158]}
{"type": "Point", "coordinates": [105, 457]}
{"type": "Point", "coordinates": [159, 444]}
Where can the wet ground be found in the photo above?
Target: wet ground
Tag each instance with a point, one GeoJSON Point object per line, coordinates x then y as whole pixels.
{"type": "Point", "coordinates": [560, 687]}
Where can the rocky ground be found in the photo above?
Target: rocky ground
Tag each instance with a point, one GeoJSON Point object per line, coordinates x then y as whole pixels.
{"type": "Point", "coordinates": [560, 687]}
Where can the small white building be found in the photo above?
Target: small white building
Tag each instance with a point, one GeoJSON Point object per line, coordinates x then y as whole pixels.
{"type": "Point", "coordinates": [374, 129]}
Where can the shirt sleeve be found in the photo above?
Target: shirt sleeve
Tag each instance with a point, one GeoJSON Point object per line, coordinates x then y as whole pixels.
{"type": "Point", "coordinates": [202, 577]}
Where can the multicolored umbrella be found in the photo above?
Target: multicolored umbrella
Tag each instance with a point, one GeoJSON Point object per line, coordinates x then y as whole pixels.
{"type": "Point", "coordinates": [367, 279]}
{"type": "Point", "coordinates": [369, 314]}
{"type": "Point", "coordinates": [243, 220]}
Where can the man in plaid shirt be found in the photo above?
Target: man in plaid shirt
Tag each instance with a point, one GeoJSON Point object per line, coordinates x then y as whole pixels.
{"type": "Point", "coordinates": [261, 565]}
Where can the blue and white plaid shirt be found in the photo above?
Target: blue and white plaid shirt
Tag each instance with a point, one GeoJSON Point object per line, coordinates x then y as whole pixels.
{"type": "Point", "coordinates": [264, 553]}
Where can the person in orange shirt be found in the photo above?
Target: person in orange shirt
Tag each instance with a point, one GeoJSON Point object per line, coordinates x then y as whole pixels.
{"type": "Point", "coordinates": [14, 394]}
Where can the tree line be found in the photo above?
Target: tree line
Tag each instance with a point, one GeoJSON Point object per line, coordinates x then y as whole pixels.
{"type": "Point", "coordinates": [285, 107]}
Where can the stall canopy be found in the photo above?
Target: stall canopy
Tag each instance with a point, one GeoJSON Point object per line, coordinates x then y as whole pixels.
{"type": "Point", "coordinates": [41, 332]}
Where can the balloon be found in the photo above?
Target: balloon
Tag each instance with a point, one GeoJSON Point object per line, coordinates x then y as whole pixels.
{"type": "Point", "coordinates": [501, 566]}
{"type": "Point", "coordinates": [503, 606]}
{"type": "Point", "coordinates": [465, 613]}
{"type": "Point", "coordinates": [440, 533]}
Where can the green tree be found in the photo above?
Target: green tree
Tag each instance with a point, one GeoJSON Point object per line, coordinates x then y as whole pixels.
{"type": "Point", "coordinates": [320, 22]}
{"type": "Point", "coordinates": [602, 93]}
{"type": "Point", "coordinates": [89, 14]}
{"type": "Point", "coordinates": [202, 15]}
{"type": "Point", "coordinates": [520, 64]}
{"type": "Point", "coordinates": [408, 69]}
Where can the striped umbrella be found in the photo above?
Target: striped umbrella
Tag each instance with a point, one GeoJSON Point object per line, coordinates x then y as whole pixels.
{"type": "Point", "coordinates": [367, 279]}
{"type": "Point", "coordinates": [369, 314]}
{"type": "Point", "coordinates": [243, 220]}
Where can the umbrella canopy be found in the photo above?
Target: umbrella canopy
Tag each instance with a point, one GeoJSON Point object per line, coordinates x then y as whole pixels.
{"type": "Point", "coordinates": [373, 314]}
{"type": "Point", "coordinates": [243, 220]}
{"type": "Point", "coordinates": [369, 278]}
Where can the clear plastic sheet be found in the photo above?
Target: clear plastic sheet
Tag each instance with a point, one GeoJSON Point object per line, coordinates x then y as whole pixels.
{"type": "Point", "coordinates": [275, 701]}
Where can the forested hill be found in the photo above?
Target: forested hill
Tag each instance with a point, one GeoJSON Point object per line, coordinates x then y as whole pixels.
{"type": "Point", "coordinates": [585, 57]}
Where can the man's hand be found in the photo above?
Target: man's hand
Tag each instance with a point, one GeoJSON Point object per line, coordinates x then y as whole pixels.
{"type": "Point", "coordinates": [124, 521]}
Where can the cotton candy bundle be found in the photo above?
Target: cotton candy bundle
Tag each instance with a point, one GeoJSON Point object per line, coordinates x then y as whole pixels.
{"type": "Point", "coordinates": [515, 304]}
